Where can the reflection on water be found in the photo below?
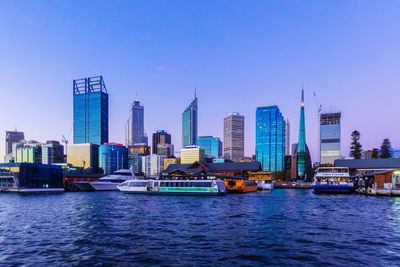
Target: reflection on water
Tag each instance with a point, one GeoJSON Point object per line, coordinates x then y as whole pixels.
{"type": "Point", "coordinates": [282, 227]}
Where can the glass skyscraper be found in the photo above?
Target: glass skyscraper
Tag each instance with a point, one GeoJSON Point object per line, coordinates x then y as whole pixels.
{"type": "Point", "coordinates": [212, 146]}
{"type": "Point", "coordinates": [330, 137]}
{"type": "Point", "coordinates": [90, 111]}
{"type": "Point", "coordinates": [189, 124]}
{"type": "Point", "coordinates": [113, 157]}
{"type": "Point", "coordinates": [270, 139]}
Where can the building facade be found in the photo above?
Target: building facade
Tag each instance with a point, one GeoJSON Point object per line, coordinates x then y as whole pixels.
{"type": "Point", "coordinates": [191, 154]}
{"type": "Point", "coordinates": [28, 152]}
{"type": "Point", "coordinates": [85, 156]}
{"type": "Point", "coordinates": [136, 133]}
{"type": "Point", "coordinates": [153, 165]}
{"type": "Point", "coordinates": [90, 111]}
{"type": "Point", "coordinates": [287, 138]}
{"type": "Point", "coordinates": [234, 137]}
{"type": "Point", "coordinates": [301, 152]}
{"type": "Point", "coordinates": [165, 150]}
{"type": "Point", "coordinates": [190, 124]}
{"type": "Point", "coordinates": [270, 139]}
{"type": "Point", "coordinates": [160, 137]}
{"type": "Point", "coordinates": [113, 157]}
{"type": "Point", "coordinates": [52, 152]}
{"type": "Point", "coordinates": [212, 146]}
{"type": "Point", "coordinates": [330, 138]}
{"type": "Point", "coordinates": [11, 138]}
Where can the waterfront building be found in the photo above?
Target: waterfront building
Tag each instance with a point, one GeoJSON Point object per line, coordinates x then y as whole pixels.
{"type": "Point", "coordinates": [191, 154]}
{"type": "Point", "coordinates": [165, 150]}
{"type": "Point", "coordinates": [234, 137]}
{"type": "Point", "coordinates": [212, 146]}
{"type": "Point", "coordinates": [287, 138]}
{"type": "Point", "coordinates": [113, 157]}
{"type": "Point", "coordinates": [301, 151]}
{"type": "Point", "coordinates": [270, 139]}
{"type": "Point", "coordinates": [52, 152]}
{"type": "Point", "coordinates": [190, 124]}
{"type": "Point", "coordinates": [11, 138]}
{"type": "Point", "coordinates": [28, 152]}
{"type": "Point", "coordinates": [90, 111]}
{"type": "Point", "coordinates": [161, 137]}
{"type": "Point", "coordinates": [29, 177]}
{"type": "Point", "coordinates": [136, 133]}
{"type": "Point", "coordinates": [169, 161]}
{"type": "Point", "coordinates": [85, 156]}
{"type": "Point", "coordinates": [330, 138]}
{"type": "Point", "coordinates": [153, 165]}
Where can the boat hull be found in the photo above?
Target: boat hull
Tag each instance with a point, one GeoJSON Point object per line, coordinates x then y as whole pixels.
{"type": "Point", "coordinates": [83, 186]}
{"type": "Point", "coordinates": [100, 186]}
{"type": "Point", "coordinates": [333, 189]}
{"type": "Point", "coordinates": [173, 193]}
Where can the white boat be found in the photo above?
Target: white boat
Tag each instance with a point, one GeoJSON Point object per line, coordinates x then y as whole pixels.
{"type": "Point", "coordinates": [110, 182]}
{"type": "Point", "coordinates": [262, 185]}
{"type": "Point", "coordinates": [174, 187]}
{"type": "Point", "coordinates": [334, 180]}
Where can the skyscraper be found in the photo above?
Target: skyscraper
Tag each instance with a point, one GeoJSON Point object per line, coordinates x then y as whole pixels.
{"type": "Point", "coordinates": [270, 139]}
{"type": "Point", "coordinates": [113, 157]}
{"type": "Point", "coordinates": [287, 138]}
{"type": "Point", "coordinates": [301, 146]}
{"type": "Point", "coordinates": [234, 136]}
{"type": "Point", "coordinates": [90, 111]}
{"type": "Point", "coordinates": [189, 124]}
{"type": "Point", "coordinates": [330, 137]}
{"type": "Point", "coordinates": [160, 137]}
{"type": "Point", "coordinates": [135, 125]}
{"type": "Point", "coordinates": [11, 138]}
{"type": "Point", "coordinates": [212, 146]}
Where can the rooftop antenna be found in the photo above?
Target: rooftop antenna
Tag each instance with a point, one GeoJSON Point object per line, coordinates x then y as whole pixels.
{"type": "Point", "coordinates": [302, 93]}
{"type": "Point", "coordinates": [195, 91]}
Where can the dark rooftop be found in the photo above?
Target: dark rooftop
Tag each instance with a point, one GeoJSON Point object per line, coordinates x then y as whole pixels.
{"type": "Point", "coordinates": [215, 167]}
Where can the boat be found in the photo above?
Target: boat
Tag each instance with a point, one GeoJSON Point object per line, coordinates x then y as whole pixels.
{"type": "Point", "coordinates": [240, 186]}
{"type": "Point", "coordinates": [173, 187]}
{"type": "Point", "coordinates": [334, 180]}
{"type": "Point", "coordinates": [110, 182]}
{"type": "Point", "coordinates": [263, 179]}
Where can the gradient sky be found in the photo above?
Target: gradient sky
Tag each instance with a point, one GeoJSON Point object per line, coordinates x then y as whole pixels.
{"type": "Point", "coordinates": [240, 54]}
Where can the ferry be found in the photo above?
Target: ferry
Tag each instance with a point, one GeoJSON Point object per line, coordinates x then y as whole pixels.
{"type": "Point", "coordinates": [333, 180]}
{"type": "Point", "coordinates": [240, 186]}
{"type": "Point", "coordinates": [106, 183]}
{"type": "Point", "coordinates": [173, 187]}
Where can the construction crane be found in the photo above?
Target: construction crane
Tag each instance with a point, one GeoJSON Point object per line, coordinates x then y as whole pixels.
{"type": "Point", "coordinates": [65, 141]}
{"type": "Point", "coordinates": [319, 110]}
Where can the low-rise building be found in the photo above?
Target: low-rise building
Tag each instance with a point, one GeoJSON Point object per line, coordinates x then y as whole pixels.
{"type": "Point", "coordinates": [191, 154]}
{"type": "Point", "coordinates": [85, 156]}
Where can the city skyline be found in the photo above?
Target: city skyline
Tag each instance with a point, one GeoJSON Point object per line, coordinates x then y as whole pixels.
{"type": "Point", "coordinates": [156, 78]}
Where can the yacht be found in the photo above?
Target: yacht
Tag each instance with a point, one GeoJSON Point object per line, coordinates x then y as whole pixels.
{"type": "Point", "coordinates": [110, 182]}
{"type": "Point", "coordinates": [333, 180]}
{"type": "Point", "coordinates": [173, 187]}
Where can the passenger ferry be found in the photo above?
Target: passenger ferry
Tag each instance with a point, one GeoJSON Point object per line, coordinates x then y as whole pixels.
{"type": "Point", "coordinates": [333, 180]}
{"type": "Point", "coordinates": [106, 183]}
{"type": "Point", "coordinates": [174, 187]}
{"type": "Point", "coordinates": [240, 186]}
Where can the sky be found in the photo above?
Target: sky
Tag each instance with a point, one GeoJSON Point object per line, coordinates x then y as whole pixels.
{"type": "Point", "coordinates": [239, 55]}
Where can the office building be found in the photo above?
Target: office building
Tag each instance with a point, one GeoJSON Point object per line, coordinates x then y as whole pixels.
{"type": "Point", "coordinates": [212, 146]}
{"type": "Point", "coordinates": [135, 157]}
{"type": "Point", "coordinates": [287, 138]}
{"type": "Point", "coordinates": [153, 165]}
{"type": "Point", "coordinates": [330, 138]}
{"type": "Point", "coordinates": [270, 139]}
{"type": "Point", "coordinates": [52, 152]}
{"type": "Point", "coordinates": [161, 137]}
{"type": "Point", "coordinates": [90, 111]}
{"type": "Point", "coordinates": [11, 138]}
{"type": "Point", "coordinates": [113, 157]}
{"type": "Point", "coordinates": [27, 152]}
{"type": "Point", "coordinates": [234, 137]}
{"type": "Point", "coordinates": [191, 154]}
{"type": "Point", "coordinates": [136, 133]}
{"type": "Point", "coordinates": [190, 124]}
{"type": "Point", "coordinates": [165, 150]}
{"type": "Point", "coordinates": [85, 156]}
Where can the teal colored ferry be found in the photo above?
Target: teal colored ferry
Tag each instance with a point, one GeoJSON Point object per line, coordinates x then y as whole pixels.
{"type": "Point", "coordinates": [174, 187]}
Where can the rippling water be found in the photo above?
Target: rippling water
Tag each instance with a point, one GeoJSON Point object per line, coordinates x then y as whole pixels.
{"type": "Point", "coordinates": [283, 227]}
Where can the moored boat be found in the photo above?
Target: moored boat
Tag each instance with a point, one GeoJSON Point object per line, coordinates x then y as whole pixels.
{"type": "Point", "coordinates": [240, 186]}
{"type": "Point", "coordinates": [333, 180]}
{"type": "Point", "coordinates": [110, 182]}
{"type": "Point", "coordinates": [173, 187]}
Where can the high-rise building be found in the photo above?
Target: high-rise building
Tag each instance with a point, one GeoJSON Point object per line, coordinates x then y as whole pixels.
{"type": "Point", "coordinates": [113, 157]}
{"type": "Point", "coordinates": [191, 154]}
{"type": "Point", "coordinates": [270, 139]}
{"type": "Point", "coordinates": [160, 137]}
{"type": "Point", "coordinates": [28, 152]}
{"type": "Point", "coordinates": [190, 124]}
{"type": "Point", "coordinates": [52, 152]}
{"type": "Point", "coordinates": [153, 165]}
{"type": "Point", "coordinates": [165, 150]}
{"type": "Point", "coordinates": [234, 137]}
{"type": "Point", "coordinates": [287, 138]}
{"type": "Point", "coordinates": [212, 146]}
{"type": "Point", "coordinates": [330, 137]}
{"type": "Point", "coordinates": [135, 157]}
{"type": "Point", "coordinates": [85, 156]}
{"type": "Point", "coordinates": [301, 168]}
{"type": "Point", "coordinates": [90, 111]}
{"type": "Point", "coordinates": [136, 133]}
{"type": "Point", "coordinates": [11, 138]}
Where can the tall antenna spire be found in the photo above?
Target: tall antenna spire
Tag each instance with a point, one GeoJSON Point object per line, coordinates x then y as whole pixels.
{"type": "Point", "coordinates": [195, 91]}
{"type": "Point", "coordinates": [302, 93]}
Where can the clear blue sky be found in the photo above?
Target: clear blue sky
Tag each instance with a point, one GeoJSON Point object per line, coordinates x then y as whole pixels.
{"type": "Point", "coordinates": [240, 54]}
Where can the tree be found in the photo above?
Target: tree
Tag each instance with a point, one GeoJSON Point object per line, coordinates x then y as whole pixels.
{"type": "Point", "coordinates": [375, 153]}
{"type": "Point", "coordinates": [386, 149]}
{"type": "Point", "coordinates": [356, 147]}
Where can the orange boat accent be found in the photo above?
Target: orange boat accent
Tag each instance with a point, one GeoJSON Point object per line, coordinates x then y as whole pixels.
{"type": "Point", "coordinates": [240, 186]}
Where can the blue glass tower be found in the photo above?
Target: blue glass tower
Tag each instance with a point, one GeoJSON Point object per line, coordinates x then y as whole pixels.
{"type": "Point", "coordinates": [301, 147]}
{"type": "Point", "coordinates": [212, 146]}
{"type": "Point", "coordinates": [113, 157]}
{"type": "Point", "coordinates": [189, 124]}
{"type": "Point", "coordinates": [270, 138]}
{"type": "Point", "coordinates": [90, 111]}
